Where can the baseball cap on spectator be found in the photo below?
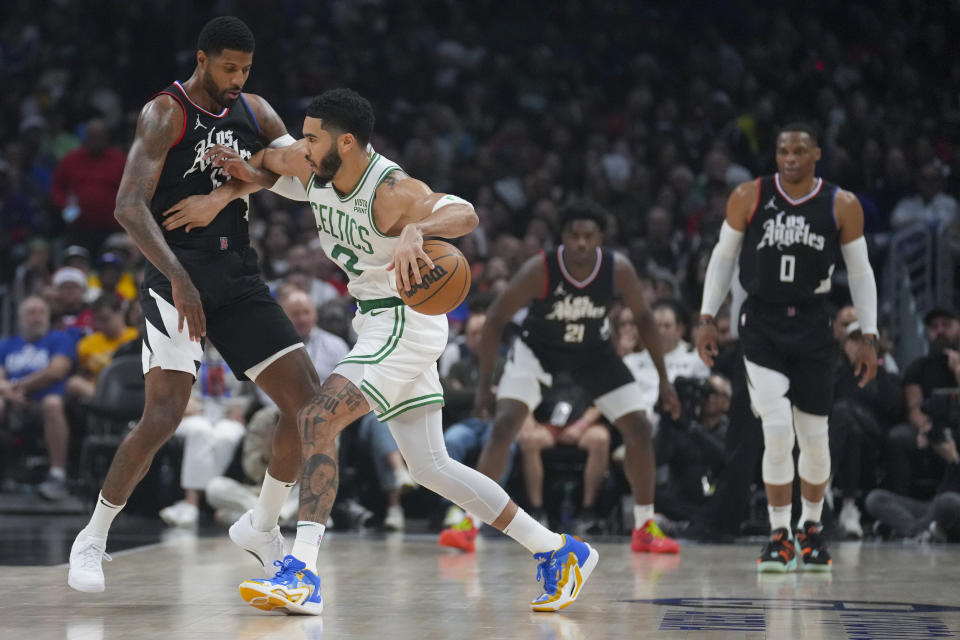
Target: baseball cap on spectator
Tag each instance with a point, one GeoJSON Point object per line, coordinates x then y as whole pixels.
{"type": "Point", "coordinates": [69, 274]}
{"type": "Point", "coordinates": [939, 312]}
{"type": "Point", "coordinates": [109, 259]}
{"type": "Point", "coordinates": [76, 251]}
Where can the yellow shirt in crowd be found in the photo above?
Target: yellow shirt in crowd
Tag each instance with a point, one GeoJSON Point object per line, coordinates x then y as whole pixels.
{"type": "Point", "coordinates": [126, 288]}
{"type": "Point", "coordinates": [95, 351]}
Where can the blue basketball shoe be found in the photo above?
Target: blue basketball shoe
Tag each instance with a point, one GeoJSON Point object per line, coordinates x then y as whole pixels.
{"type": "Point", "coordinates": [294, 588]}
{"type": "Point", "coordinates": [563, 572]}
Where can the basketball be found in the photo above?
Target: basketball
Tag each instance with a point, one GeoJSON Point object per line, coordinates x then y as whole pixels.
{"type": "Point", "coordinates": [445, 286]}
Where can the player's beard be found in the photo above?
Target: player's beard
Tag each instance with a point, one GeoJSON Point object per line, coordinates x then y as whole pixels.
{"type": "Point", "coordinates": [329, 164]}
{"type": "Point", "coordinates": [218, 96]}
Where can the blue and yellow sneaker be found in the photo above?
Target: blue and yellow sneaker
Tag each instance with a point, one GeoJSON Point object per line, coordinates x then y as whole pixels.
{"type": "Point", "coordinates": [563, 572]}
{"type": "Point", "coordinates": [294, 588]}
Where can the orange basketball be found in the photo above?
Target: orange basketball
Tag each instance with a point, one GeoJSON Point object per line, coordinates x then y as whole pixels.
{"type": "Point", "coordinates": [445, 286]}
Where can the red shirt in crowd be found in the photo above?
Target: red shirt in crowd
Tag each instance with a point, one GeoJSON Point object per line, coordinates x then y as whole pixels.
{"type": "Point", "coordinates": [94, 180]}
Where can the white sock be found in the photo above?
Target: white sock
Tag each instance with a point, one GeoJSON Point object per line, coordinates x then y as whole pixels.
{"type": "Point", "coordinates": [642, 513]}
{"type": "Point", "coordinates": [307, 544]}
{"type": "Point", "coordinates": [779, 517]}
{"type": "Point", "coordinates": [272, 495]}
{"type": "Point", "coordinates": [103, 515]}
{"type": "Point", "coordinates": [811, 511]}
{"type": "Point", "coordinates": [531, 534]}
{"type": "Point", "coordinates": [474, 518]}
{"type": "Point", "coordinates": [57, 473]}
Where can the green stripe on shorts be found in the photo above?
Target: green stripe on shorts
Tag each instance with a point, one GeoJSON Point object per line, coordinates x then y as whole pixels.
{"type": "Point", "coordinates": [412, 403]}
{"type": "Point", "coordinates": [398, 321]}
{"type": "Point", "coordinates": [375, 393]}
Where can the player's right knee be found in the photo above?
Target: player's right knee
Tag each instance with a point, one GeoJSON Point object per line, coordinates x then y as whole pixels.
{"type": "Point", "coordinates": [778, 441]}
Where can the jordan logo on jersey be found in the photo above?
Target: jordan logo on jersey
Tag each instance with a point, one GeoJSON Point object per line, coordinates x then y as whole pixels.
{"type": "Point", "coordinates": [224, 137]}
{"type": "Point", "coordinates": [785, 231]}
{"type": "Point", "coordinates": [575, 308]}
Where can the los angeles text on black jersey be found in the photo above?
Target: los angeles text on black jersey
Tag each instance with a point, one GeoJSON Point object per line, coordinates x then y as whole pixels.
{"type": "Point", "coordinates": [790, 244]}
{"type": "Point", "coordinates": [572, 315]}
{"type": "Point", "coordinates": [223, 137]}
{"type": "Point", "coordinates": [186, 173]}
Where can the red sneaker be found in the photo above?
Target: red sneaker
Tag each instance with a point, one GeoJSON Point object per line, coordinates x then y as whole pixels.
{"type": "Point", "coordinates": [650, 539]}
{"type": "Point", "coordinates": [460, 536]}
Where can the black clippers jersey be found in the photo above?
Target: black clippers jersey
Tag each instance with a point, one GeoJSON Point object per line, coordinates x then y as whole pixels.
{"type": "Point", "coordinates": [571, 316]}
{"type": "Point", "coordinates": [186, 173]}
{"type": "Point", "coordinates": [790, 246]}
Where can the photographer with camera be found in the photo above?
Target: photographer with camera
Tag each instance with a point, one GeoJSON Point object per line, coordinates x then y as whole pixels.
{"type": "Point", "coordinates": [918, 451]}
{"type": "Point", "coordinates": [690, 450]}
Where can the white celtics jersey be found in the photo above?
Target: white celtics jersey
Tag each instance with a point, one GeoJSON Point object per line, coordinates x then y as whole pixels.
{"type": "Point", "coordinates": [349, 235]}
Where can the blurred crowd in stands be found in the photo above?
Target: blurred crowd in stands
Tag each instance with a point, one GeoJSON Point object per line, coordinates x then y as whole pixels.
{"type": "Point", "coordinates": [656, 111]}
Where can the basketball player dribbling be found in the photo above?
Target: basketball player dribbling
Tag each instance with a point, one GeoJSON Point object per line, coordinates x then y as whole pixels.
{"type": "Point", "coordinates": [372, 218]}
{"type": "Point", "coordinates": [569, 292]}
{"type": "Point", "coordinates": [205, 284]}
{"type": "Point", "coordinates": [791, 226]}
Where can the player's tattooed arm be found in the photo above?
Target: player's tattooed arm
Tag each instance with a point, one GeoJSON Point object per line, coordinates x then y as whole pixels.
{"type": "Point", "coordinates": [408, 208]}
{"type": "Point", "coordinates": [158, 128]}
{"type": "Point", "coordinates": [530, 282]}
{"type": "Point", "coordinates": [401, 201]}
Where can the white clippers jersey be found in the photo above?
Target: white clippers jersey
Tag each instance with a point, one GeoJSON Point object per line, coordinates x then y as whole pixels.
{"type": "Point", "coordinates": [349, 235]}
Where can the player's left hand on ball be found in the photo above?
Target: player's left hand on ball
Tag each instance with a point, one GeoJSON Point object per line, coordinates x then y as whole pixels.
{"type": "Point", "coordinates": [408, 250]}
{"type": "Point", "coordinates": [865, 363]}
{"type": "Point", "coordinates": [670, 400]}
{"type": "Point", "coordinates": [193, 211]}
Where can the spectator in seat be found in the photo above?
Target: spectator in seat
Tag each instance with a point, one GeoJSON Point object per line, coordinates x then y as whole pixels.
{"type": "Point", "coordinates": [918, 450]}
{"type": "Point", "coordinates": [859, 422]}
{"type": "Point", "coordinates": [85, 185]}
{"type": "Point", "coordinates": [95, 351]}
{"type": "Point", "coordinates": [34, 365]}
{"type": "Point", "coordinates": [70, 310]}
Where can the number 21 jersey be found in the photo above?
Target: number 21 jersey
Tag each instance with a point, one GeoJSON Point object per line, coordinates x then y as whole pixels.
{"type": "Point", "coordinates": [790, 245]}
{"type": "Point", "coordinates": [570, 317]}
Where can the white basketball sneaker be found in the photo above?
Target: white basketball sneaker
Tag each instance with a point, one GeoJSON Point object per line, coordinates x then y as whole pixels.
{"type": "Point", "coordinates": [86, 568]}
{"type": "Point", "coordinates": [265, 546]}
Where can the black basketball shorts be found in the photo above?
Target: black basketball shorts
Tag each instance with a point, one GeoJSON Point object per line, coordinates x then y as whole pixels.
{"type": "Point", "coordinates": [244, 322]}
{"type": "Point", "coordinates": [599, 371]}
{"type": "Point", "coordinates": [797, 342]}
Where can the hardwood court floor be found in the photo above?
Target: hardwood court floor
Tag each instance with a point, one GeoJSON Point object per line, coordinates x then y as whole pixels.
{"type": "Point", "coordinates": [407, 588]}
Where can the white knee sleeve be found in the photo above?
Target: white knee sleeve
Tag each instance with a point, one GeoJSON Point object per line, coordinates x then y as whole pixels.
{"type": "Point", "coordinates": [768, 395]}
{"type": "Point", "coordinates": [812, 434]}
{"type": "Point", "coordinates": [778, 442]}
{"type": "Point", "coordinates": [419, 436]}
